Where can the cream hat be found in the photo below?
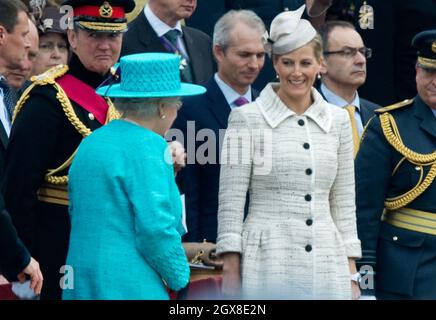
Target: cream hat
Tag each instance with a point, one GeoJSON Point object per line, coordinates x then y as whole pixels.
{"type": "Point", "coordinates": [289, 32]}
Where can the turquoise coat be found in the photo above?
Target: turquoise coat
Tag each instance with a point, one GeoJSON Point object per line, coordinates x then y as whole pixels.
{"type": "Point", "coordinates": [125, 217]}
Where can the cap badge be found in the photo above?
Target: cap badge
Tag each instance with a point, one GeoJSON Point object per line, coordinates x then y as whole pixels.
{"type": "Point", "coordinates": [47, 24]}
{"type": "Point", "coordinates": [106, 10]}
{"type": "Point", "coordinates": [433, 46]}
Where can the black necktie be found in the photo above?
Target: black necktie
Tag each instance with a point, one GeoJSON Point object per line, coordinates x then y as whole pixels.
{"type": "Point", "coordinates": [173, 36]}
{"type": "Point", "coordinates": [9, 97]}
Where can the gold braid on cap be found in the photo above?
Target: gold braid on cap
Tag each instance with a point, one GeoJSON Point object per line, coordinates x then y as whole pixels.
{"type": "Point", "coordinates": [104, 26]}
{"type": "Point", "coordinates": [390, 130]}
{"type": "Point", "coordinates": [427, 63]}
{"type": "Point", "coordinates": [49, 78]}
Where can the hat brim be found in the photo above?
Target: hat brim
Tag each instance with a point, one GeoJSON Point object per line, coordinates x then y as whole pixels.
{"type": "Point", "coordinates": [115, 91]}
{"type": "Point", "coordinates": [427, 63]}
{"type": "Point", "coordinates": [102, 26]}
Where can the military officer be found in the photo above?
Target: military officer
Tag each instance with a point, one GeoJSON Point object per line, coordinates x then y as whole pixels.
{"type": "Point", "coordinates": [55, 113]}
{"type": "Point", "coordinates": [396, 187]}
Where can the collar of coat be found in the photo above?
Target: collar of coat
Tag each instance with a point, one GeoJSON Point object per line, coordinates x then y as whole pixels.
{"type": "Point", "coordinates": [275, 111]}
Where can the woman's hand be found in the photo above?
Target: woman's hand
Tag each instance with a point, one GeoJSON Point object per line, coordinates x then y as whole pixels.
{"type": "Point", "coordinates": [316, 8]}
{"type": "Point", "coordinates": [231, 286]}
{"type": "Point", "coordinates": [355, 290]}
{"type": "Point", "coordinates": [178, 155]}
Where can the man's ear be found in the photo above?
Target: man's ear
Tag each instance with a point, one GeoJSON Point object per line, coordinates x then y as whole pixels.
{"type": "Point", "coordinates": [218, 52]}
{"type": "Point", "coordinates": [72, 38]}
{"type": "Point", "coordinates": [3, 32]}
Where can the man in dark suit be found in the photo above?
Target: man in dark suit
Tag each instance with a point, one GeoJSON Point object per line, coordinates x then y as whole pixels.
{"type": "Point", "coordinates": [240, 54]}
{"type": "Point", "coordinates": [391, 70]}
{"type": "Point", "coordinates": [14, 29]}
{"type": "Point", "coordinates": [208, 12]}
{"type": "Point", "coordinates": [158, 29]}
{"type": "Point", "coordinates": [344, 71]}
{"type": "Point", "coordinates": [396, 187]}
{"type": "Point", "coordinates": [60, 109]}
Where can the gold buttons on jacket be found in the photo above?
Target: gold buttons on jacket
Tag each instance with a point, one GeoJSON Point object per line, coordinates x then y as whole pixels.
{"type": "Point", "coordinates": [91, 116]}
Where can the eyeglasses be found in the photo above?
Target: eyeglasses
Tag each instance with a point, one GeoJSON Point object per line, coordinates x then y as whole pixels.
{"type": "Point", "coordinates": [351, 52]}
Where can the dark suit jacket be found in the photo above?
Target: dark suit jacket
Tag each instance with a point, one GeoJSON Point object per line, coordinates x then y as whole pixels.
{"type": "Point", "coordinates": [200, 182]}
{"type": "Point", "coordinates": [14, 257]}
{"type": "Point", "coordinates": [3, 144]}
{"type": "Point", "coordinates": [142, 38]}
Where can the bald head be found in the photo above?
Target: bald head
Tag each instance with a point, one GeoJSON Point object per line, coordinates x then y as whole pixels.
{"type": "Point", "coordinates": [17, 76]}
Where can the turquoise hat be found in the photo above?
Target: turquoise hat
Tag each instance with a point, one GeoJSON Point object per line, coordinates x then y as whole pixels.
{"type": "Point", "coordinates": [150, 75]}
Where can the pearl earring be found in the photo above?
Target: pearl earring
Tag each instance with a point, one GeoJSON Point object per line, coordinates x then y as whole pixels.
{"type": "Point", "coordinates": [163, 117]}
{"type": "Point", "coordinates": [319, 76]}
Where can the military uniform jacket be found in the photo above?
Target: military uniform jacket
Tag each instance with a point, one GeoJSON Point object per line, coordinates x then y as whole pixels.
{"type": "Point", "coordinates": [397, 251]}
{"type": "Point", "coordinates": [43, 138]}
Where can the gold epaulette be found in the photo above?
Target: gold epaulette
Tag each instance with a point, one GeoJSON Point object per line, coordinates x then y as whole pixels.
{"type": "Point", "coordinates": [393, 137]}
{"type": "Point", "coordinates": [394, 106]}
{"type": "Point", "coordinates": [48, 77]}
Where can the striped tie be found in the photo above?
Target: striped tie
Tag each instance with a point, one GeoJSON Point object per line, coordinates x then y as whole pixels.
{"type": "Point", "coordinates": [173, 35]}
{"type": "Point", "coordinates": [9, 97]}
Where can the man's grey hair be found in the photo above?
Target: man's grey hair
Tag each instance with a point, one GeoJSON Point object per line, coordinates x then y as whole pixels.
{"type": "Point", "coordinates": [145, 108]}
{"type": "Point", "coordinates": [226, 24]}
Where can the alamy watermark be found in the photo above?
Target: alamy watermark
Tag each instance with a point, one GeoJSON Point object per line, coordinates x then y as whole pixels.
{"type": "Point", "coordinates": [236, 147]}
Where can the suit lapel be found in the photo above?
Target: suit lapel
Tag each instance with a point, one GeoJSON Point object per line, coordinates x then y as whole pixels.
{"type": "Point", "coordinates": [428, 120]}
{"type": "Point", "coordinates": [146, 36]}
{"type": "Point", "coordinates": [218, 104]}
{"type": "Point", "coordinates": [195, 56]}
{"type": "Point", "coordinates": [254, 94]}
{"type": "Point", "coordinates": [365, 113]}
{"type": "Point", "coordinates": [3, 136]}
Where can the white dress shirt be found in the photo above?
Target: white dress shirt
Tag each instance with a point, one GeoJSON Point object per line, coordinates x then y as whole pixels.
{"type": "Point", "coordinates": [4, 116]}
{"type": "Point", "coordinates": [161, 28]}
{"type": "Point", "coordinates": [333, 98]}
{"type": "Point", "coordinates": [230, 94]}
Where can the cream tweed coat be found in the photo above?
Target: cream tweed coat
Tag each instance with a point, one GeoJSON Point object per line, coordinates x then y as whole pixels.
{"type": "Point", "coordinates": [301, 224]}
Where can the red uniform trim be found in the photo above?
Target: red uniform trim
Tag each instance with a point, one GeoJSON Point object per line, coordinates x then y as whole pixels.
{"type": "Point", "coordinates": [94, 11]}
